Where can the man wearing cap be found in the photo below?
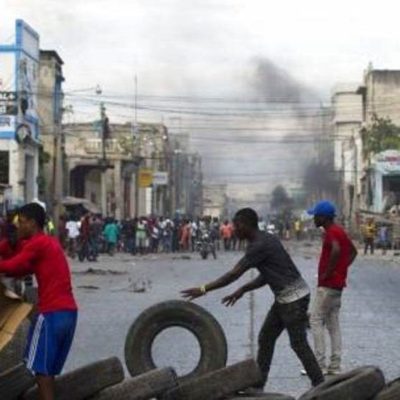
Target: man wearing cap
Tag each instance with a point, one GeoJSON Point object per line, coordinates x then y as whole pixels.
{"type": "Point", "coordinates": [338, 253]}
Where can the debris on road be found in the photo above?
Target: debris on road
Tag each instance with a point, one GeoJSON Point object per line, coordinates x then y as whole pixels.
{"type": "Point", "coordinates": [182, 257]}
{"type": "Point", "coordinates": [88, 287]}
{"type": "Point", "coordinates": [137, 286]}
{"type": "Point", "coordinates": [98, 271]}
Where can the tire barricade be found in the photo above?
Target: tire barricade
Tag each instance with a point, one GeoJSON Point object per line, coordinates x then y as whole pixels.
{"type": "Point", "coordinates": [175, 313]}
{"type": "Point", "coordinates": [211, 379]}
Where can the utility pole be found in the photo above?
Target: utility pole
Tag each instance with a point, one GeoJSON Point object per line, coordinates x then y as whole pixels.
{"type": "Point", "coordinates": [136, 90]}
{"type": "Point", "coordinates": [58, 175]}
{"type": "Point", "coordinates": [137, 150]}
{"type": "Point", "coordinates": [103, 161]}
{"type": "Point", "coordinates": [58, 169]}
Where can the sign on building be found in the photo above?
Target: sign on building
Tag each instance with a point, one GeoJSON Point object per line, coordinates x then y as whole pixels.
{"type": "Point", "coordinates": [19, 77]}
{"type": "Point", "coordinates": [388, 162]}
{"type": "Point", "coordinates": [145, 177]}
{"type": "Point", "coordinates": [160, 178]}
{"type": "Point", "coordinates": [8, 97]}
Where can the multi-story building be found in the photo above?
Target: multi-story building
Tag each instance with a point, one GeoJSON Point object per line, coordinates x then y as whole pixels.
{"type": "Point", "coordinates": [380, 181]}
{"type": "Point", "coordinates": [372, 183]}
{"type": "Point", "coordinates": [347, 120]}
{"type": "Point", "coordinates": [381, 94]}
{"type": "Point", "coordinates": [126, 174]}
{"type": "Point", "coordinates": [215, 200]}
{"type": "Point", "coordinates": [186, 178]}
{"type": "Point", "coordinates": [19, 119]}
{"type": "Point", "coordinates": [50, 110]}
{"type": "Point", "coordinates": [153, 149]}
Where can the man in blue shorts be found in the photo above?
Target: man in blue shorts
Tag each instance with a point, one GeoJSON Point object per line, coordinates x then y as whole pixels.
{"type": "Point", "coordinates": [52, 332]}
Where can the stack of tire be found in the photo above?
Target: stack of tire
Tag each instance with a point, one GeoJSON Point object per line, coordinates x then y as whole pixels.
{"type": "Point", "coordinates": [210, 380]}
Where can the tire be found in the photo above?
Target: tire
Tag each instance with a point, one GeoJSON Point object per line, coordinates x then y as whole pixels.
{"type": "Point", "coordinates": [359, 384]}
{"type": "Point", "coordinates": [146, 386]}
{"type": "Point", "coordinates": [264, 396]}
{"type": "Point", "coordinates": [390, 392]}
{"type": "Point", "coordinates": [175, 313]}
{"type": "Point", "coordinates": [86, 381]}
{"type": "Point", "coordinates": [218, 384]}
{"type": "Point", "coordinates": [15, 381]}
{"type": "Point", "coordinates": [204, 254]}
{"type": "Point", "coordinates": [13, 353]}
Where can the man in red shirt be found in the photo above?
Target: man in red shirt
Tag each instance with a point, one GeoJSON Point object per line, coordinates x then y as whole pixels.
{"type": "Point", "coordinates": [52, 332]}
{"type": "Point", "coordinates": [338, 253]}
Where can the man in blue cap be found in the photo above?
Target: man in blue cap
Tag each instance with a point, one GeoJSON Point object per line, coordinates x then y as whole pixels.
{"type": "Point", "coordinates": [338, 253]}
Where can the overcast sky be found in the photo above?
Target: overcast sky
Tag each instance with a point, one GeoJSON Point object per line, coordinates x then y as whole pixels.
{"type": "Point", "coordinates": [204, 46]}
{"type": "Point", "coordinates": [248, 49]}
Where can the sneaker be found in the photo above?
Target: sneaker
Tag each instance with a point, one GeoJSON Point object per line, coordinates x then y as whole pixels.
{"type": "Point", "coordinates": [334, 371]}
{"type": "Point", "coordinates": [250, 391]}
{"type": "Point", "coordinates": [324, 372]}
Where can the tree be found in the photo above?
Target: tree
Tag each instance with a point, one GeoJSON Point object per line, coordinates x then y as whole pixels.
{"type": "Point", "coordinates": [381, 135]}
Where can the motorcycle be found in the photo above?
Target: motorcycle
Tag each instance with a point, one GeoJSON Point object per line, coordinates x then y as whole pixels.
{"type": "Point", "coordinates": [205, 246]}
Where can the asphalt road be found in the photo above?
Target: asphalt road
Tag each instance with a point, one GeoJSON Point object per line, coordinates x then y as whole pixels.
{"type": "Point", "coordinates": [120, 287]}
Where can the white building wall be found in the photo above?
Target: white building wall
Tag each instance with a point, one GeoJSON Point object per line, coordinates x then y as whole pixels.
{"type": "Point", "coordinates": [347, 117]}
{"type": "Point", "coordinates": [383, 94]}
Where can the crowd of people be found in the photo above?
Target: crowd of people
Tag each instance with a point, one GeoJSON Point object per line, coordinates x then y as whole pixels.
{"type": "Point", "coordinates": [29, 250]}
{"type": "Point", "coordinates": [143, 235]}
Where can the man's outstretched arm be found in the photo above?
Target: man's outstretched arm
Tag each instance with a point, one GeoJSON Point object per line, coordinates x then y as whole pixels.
{"type": "Point", "coordinates": [225, 280]}
{"type": "Point", "coordinates": [248, 287]}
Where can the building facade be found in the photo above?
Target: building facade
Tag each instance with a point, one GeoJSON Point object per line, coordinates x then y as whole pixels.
{"type": "Point", "coordinates": [215, 200]}
{"type": "Point", "coordinates": [19, 119]}
{"type": "Point", "coordinates": [347, 122]}
{"type": "Point", "coordinates": [129, 177]}
{"type": "Point", "coordinates": [50, 110]}
{"type": "Point", "coordinates": [380, 179]}
{"type": "Point", "coordinates": [369, 183]}
{"type": "Point", "coordinates": [186, 185]}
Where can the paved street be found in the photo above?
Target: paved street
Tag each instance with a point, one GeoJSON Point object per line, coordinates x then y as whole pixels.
{"type": "Point", "coordinates": [123, 286]}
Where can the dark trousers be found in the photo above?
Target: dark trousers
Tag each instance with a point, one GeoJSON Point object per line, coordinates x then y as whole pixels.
{"type": "Point", "coordinates": [227, 244]}
{"type": "Point", "coordinates": [369, 243]}
{"type": "Point", "coordinates": [293, 318]}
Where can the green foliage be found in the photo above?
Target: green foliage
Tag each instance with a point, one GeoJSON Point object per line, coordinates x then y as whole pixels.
{"type": "Point", "coordinates": [44, 156]}
{"type": "Point", "coordinates": [128, 145]}
{"type": "Point", "coordinates": [381, 135]}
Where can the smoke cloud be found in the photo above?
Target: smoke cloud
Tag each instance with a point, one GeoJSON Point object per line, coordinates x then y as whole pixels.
{"type": "Point", "coordinates": [274, 84]}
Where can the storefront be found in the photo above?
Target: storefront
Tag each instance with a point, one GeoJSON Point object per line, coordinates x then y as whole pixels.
{"type": "Point", "coordinates": [383, 181]}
